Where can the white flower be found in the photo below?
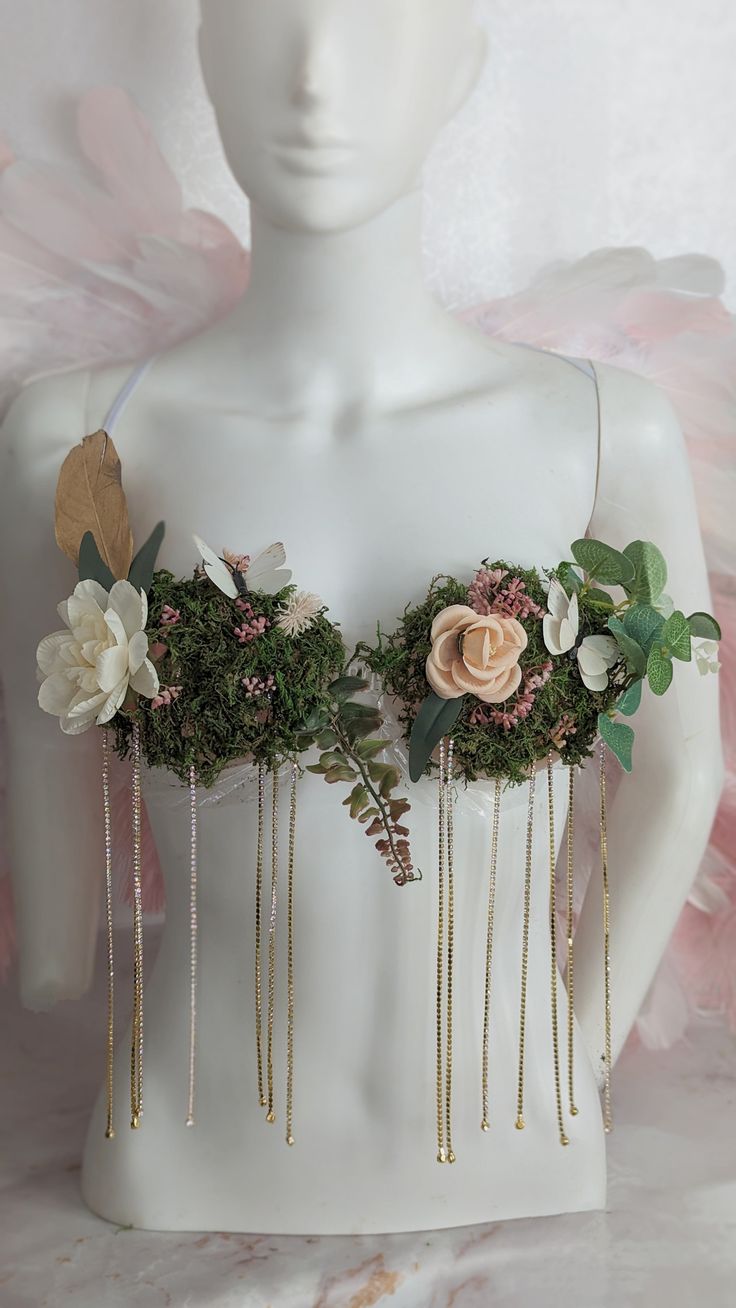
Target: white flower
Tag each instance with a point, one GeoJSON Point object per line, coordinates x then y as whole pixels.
{"type": "Point", "coordinates": [86, 670]}
{"type": "Point", "coordinates": [706, 656]}
{"type": "Point", "coordinates": [299, 612]}
{"type": "Point", "coordinates": [596, 654]}
{"type": "Point", "coordinates": [560, 625]}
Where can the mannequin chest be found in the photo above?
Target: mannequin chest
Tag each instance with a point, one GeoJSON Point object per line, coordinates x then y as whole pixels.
{"type": "Point", "coordinates": [368, 511]}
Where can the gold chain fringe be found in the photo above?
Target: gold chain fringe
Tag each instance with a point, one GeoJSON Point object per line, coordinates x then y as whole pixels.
{"type": "Point", "coordinates": [607, 1116]}
{"type": "Point", "coordinates": [485, 1122]}
{"type": "Point", "coordinates": [450, 950]}
{"type": "Point", "coordinates": [525, 952]}
{"type": "Point", "coordinates": [110, 1045]}
{"type": "Point", "coordinates": [193, 939]}
{"type": "Point", "coordinates": [259, 911]}
{"type": "Point", "coordinates": [290, 966]}
{"type": "Point", "coordinates": [271, 1115]}
{"type": "Point", "coordinates": [553, 948]}
{"type": "Point", "coordinates": [570, 975]}
{"type": "Point", "coordinates": [441, 802]}
{"type": "Point", "coordinates": [136, 1048]}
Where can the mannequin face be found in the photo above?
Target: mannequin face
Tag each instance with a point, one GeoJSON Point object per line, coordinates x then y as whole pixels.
{"type": "Point", "coordinates": [328, 108]}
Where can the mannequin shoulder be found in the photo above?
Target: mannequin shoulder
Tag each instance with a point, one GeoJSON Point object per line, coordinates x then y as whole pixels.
{"type": "Point", "coordinates": [50, 415]}
{"type": "Point", "coordinates": [638, 419]}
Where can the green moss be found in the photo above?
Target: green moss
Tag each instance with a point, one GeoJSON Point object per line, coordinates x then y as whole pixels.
{"type": "Point", "coordinates": [491, 751]}
{"type": "Point", "coordinates": [213, 722]}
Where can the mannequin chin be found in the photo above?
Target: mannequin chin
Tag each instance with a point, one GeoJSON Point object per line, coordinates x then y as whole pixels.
{"type": "Point", "coordinates": [327, 111]}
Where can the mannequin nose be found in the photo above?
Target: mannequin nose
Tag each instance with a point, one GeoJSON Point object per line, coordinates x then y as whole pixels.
{"type": "Point", "coordinates": [312, 76]}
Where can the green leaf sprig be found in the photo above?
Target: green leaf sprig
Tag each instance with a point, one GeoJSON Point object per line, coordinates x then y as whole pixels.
{"type": "Point", "coordinates": [345, 732]}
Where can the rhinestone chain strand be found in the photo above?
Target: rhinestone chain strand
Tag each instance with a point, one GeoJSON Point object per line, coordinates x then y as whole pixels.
{"type": "Point", "coordinates": [441, 797]}
{"type": "Point", "coordinates": [553, 948]}
{"type": "Point", "coordinates": [136, 1050]}
{"type": "Point", "coordinates": [271, 1115]}
{"type": "Point", "coordinates": [485, 1123]}
{"type": "Point", "coordinates": [110, 1051]}
{"type": "Point", "coordinates": [607, 1116]}
{"type": "Point", "coordinates": [193, 938]}
{"type": "Point", "coordinates": [449, 813]}
{"type": "Point", "coordinates": [570, 960]}
{"type": "Point", "coordinates": [259, 913]}
{"type": "Point", "coordinates": [290, 965]}
{"type": "Point", "coordinates": [525, 951]}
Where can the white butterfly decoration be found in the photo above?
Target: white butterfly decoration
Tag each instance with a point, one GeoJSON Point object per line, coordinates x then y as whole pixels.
{"type": "Point", "coordinates": [595, 654]}
{"type": "Point", "coordinates": [265, 573]}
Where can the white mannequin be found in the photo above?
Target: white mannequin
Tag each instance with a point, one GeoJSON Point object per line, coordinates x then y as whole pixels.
{"type": "Point", "coordinates": [338, 408]}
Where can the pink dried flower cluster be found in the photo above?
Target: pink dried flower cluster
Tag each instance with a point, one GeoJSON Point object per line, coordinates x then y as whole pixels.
{"type": "Point", "coordinates": [251, 627]}
{"type": "Point", "coordinates": [510, 715]}
{"type": "Point", "coordinates": [238, 562]}
{"type": "Point", "coordinates": [166, 697]}
{"type": "Point", "coordinates": [564, 728]}
{"type": "Point", "coordinates": [169, 616]}
{"type": "Point", "coordinates": [257, 686]}
{"type": "Point", "coordinates": [488, 594]}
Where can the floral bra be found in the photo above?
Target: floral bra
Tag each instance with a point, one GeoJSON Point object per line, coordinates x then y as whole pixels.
{"type": "Point", "coordinates": [493, 675]}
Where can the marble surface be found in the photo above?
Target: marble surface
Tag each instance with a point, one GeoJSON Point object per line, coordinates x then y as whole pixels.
{"type": "Point", "coordinates": [668, 1235]}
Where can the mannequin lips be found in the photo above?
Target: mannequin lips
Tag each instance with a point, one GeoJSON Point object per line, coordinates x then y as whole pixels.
{"type": "Point", "coordinates": [305, 152]}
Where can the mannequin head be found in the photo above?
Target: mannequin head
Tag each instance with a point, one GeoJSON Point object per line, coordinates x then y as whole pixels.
{"type": "Point", "coordinates": [328, 108]}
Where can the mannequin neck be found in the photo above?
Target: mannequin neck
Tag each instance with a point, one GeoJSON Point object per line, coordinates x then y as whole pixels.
{"type": "Point", "coordinates": [334, 320]}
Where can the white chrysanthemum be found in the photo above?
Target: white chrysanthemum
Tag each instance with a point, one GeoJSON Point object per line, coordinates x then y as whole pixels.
{"type": "Point", "coordinates": [87, 669]}
{"type": "Point", "coordinates": [299, 612]}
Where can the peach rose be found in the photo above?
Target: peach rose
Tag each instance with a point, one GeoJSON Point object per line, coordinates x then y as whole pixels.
{"type": "Point", "coordinates": [473, 655]}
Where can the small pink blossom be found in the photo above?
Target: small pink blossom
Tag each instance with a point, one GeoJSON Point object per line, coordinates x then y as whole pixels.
{"type": "Point", "coordinates": [157, 650]}
{"type": "Point", "coordinates": [169, 616]}
{"type": "Point", "coordinates": [564, 728]}
{"type": "Point", "coordinates": [252, 627]}
{"type": "Point", "coordinates": [166, 697]}
{"type": "Point", "coordinates": [238, 562]}
{"type": "Point", "coordinates": [487, 595]}
{"type": "Point", "coordinates": [257, 686]}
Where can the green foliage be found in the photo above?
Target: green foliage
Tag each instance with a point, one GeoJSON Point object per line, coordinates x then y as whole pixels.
{"type": "Point", "coordinates": [347, 729]}
{"type": "Point", "coordinates": [213, 722]}
{"type": "Point", "coordinates": [643, 624]}
{"type": "Point", "coordinates": [650, 571]}
{"type": "Point", "coordinates": [92, 566]}
{"type": "Point", "coordinates": [433, 722]}
{"type": "Point", "coordinates": [631, 699]}
{"type": "Point", "coordinates": [619, 737]}
{"type": "Point", "coordinates": [705, 626]}
{"type": "Point", "coordinates": [144, 563]}
{"type": "Point", "coordinates": [675, 637]}
{"type": "Point", "coordinates": [634, 654]}
{"type": "Point", "coordinates": [603, 563]}
{"type": "Point", "coordinates": [659, 670]}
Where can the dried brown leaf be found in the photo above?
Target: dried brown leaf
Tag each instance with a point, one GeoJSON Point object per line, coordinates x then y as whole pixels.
{"type": "Point", "coordinates": [90, 497]}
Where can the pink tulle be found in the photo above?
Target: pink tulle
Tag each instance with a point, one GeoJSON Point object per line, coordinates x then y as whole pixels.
{"type": "Point", "coordinates": [97, 273]}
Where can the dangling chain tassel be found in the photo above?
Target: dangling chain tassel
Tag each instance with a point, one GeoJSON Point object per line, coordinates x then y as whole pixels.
{"type": "Point", "coordinates": [553, 948]}
{"type": "Point", "coordinates": [290, 966]}
{"type": "Point", "coordinates": [110, 1052]}
{"type": "Point", "coordinates": [259, 907]}
{"type": "Point", "coordinates": [136, 1049]}
{"type": "Point", "coordinates": [446, 841]}
{"type": "Point", "coordinates": [271, 1115]}
{"type": "Point", "coordinates": [485, 1123]}
{"type": "Point", "coordinates": [520, 1124]}
{"type": "Point", "coordinates": [193, 933]}
{"type": "Point", "coordinates": [607, 1117]}
{"type": "Point", "coordinates": [570, 962]}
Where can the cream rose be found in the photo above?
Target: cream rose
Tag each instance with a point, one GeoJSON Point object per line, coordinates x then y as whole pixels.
{"type": "Point", "coordinates": [475, 655]}
{"type": "Point", "coordinates": [87, 669]}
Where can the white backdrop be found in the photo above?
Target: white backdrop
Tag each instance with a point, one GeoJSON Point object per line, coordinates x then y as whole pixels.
{"type": "Point", "coordinates": [598, 122]}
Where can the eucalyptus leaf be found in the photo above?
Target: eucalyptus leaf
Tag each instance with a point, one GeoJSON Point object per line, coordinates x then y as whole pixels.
{"type": "Point", "coordinates": [675, 635]}
{"type": "Point", "coordinates": [92, 566]}
{"type": "Point", "coordinates": [631, 699]}
{"type": "Point", "coordinates": [619, 737]}
{"type": "Point", "coordinates": [633, 652]}
{"type": "Point", "coordinates": [705, 625]}
{"type": "Point", "coordinates": [650, 571]}
{"type": "Point", "coordinates": [434, 720]}
{"type": "Point", "coordinates": [352, 710]}
{"type": "Point", "coordinates": [602, 562]}
{"type": "Point", "coordinates": [600, 598]}
{"type": "Point", "coordinates": [659, 671]}
{"type": "Point", "coordinates": [143, 566]}
{"type": "Point", "coordinates": [569, 578]}
{"type": "Point", "coordinates": [643, 623]}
